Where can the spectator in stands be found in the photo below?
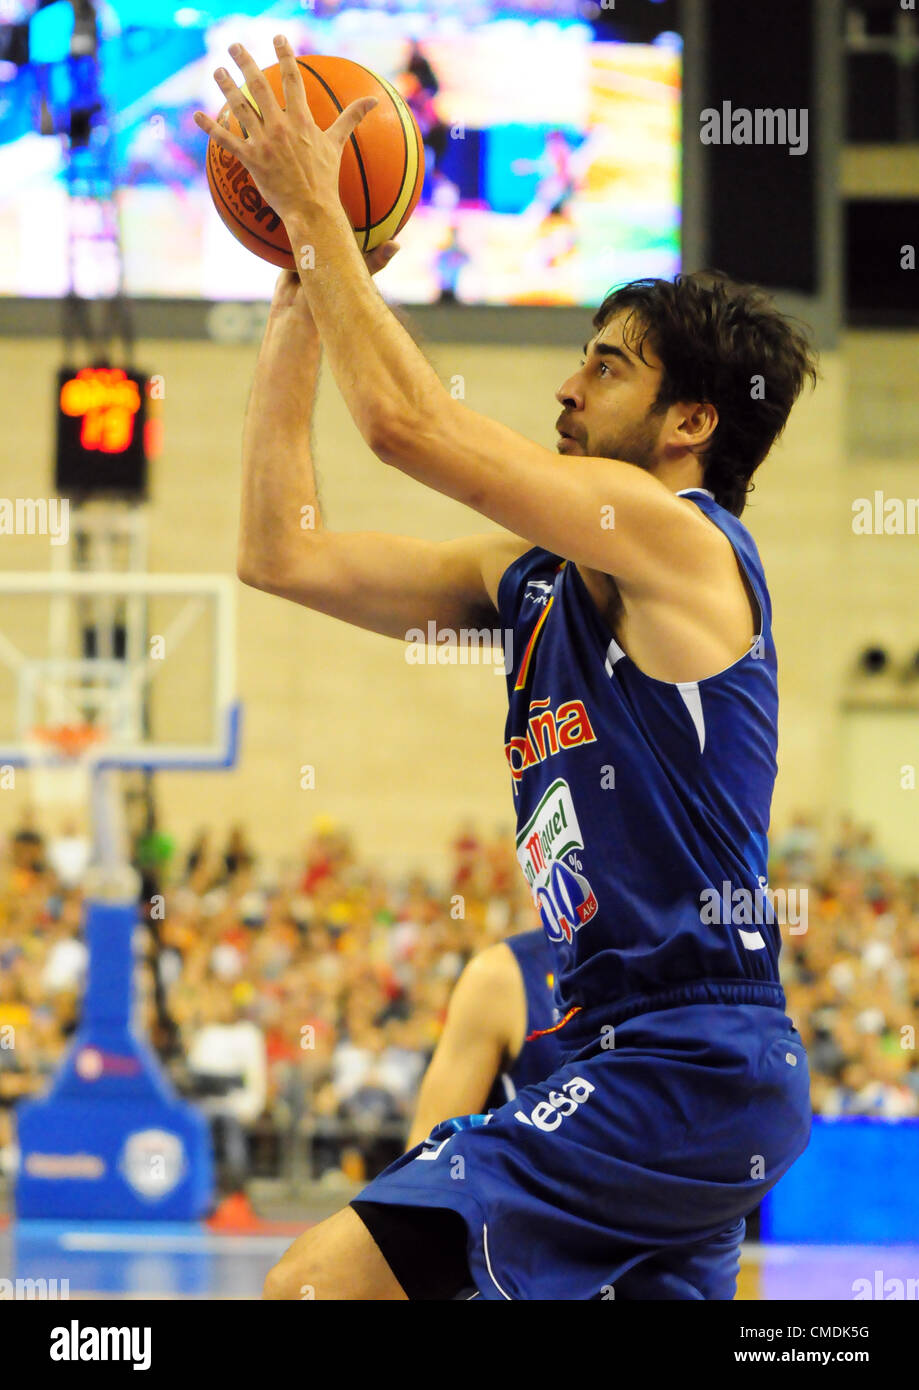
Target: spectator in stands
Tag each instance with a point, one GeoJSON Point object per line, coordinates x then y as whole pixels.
{"type": "Point", "coordinates": [237, 854]}
{"type": "Point", "coordinates": [28, 847]}
{"type": "Point", "coordinates": [227, 1064]}
{"type": "Point", "coordinates": [69, 854]}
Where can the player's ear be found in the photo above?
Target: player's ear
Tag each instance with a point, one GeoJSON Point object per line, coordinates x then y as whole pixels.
{"type": "Point", "coordinates": [696, 424]}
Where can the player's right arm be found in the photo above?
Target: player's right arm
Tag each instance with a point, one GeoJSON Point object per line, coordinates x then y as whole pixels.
{"type": "Point", "coordinates": [386, 583]}
{"type": "Point", "coordinates": [486, 1021]}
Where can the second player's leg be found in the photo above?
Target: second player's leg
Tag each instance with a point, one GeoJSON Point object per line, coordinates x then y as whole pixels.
{"type": "Point", "coordinates": [335, 1260]}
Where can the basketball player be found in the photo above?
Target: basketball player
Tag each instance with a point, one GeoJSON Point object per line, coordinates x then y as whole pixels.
{"type": "Point", "coordinates": [640, 740]}
{"type": "Point", "coordinates": [500, 1033]}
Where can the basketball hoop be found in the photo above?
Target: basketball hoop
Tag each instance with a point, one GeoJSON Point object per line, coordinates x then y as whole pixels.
{"type": "Point", "coordinates": [60, 763]}
{"type": "Point", "coordinates": [70, 740]}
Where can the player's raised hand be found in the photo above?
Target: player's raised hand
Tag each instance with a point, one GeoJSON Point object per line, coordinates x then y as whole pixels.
{"type": "Point", "coordinates": [294, 165]}
{"type": "Point", "coordinates": [288, 294]}
{"type": "Point", "coordinates": [380, 256]}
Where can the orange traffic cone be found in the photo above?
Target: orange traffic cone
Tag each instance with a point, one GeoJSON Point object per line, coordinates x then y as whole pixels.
{"type": "Point", "coordinates": [235, 1213]}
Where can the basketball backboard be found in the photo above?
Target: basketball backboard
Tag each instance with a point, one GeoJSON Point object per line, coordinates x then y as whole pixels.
{"type": "Point", "coordinates": [147, 659]}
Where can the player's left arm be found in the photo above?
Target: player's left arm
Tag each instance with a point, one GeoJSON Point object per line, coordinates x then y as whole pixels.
{"type": "Point", "coordinates": [602, 514]}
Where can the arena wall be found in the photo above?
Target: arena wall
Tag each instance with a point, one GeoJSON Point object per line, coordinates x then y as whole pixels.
{"type": "Point", "coordinates": [403, 752]}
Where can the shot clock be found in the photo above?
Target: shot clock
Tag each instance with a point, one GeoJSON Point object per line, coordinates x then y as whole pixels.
{"type": "Point", "coordinates": [108, 429]}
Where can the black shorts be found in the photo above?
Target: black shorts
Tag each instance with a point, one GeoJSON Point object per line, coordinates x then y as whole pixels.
{"type": "Point", "coordinates": [424, 1247]}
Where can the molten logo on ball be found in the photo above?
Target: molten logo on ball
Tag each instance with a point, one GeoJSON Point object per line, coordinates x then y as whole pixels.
{"type": "Point", "coordinates": [247, 197]}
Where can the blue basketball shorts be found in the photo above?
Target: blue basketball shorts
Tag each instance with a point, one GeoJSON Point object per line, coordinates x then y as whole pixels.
{"type": "Point", "coordinates": [626, 1174]}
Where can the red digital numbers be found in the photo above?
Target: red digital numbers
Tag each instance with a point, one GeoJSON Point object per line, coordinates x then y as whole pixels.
{"type": "Point", "coordinates": [107, 402]}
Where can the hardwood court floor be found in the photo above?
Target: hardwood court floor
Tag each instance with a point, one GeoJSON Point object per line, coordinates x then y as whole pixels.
{"type": "Point", "coordinates": [108, 1261]}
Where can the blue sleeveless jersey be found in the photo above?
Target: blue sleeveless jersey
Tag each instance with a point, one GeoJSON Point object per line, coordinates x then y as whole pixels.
{"type": "Point", "coordinates": [540, 1055]}
{"type": "Point", "coordinates": [642, 805]}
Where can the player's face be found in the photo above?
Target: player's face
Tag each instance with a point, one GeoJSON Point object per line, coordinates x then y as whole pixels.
{"type": "Point", "coordinates": [609, 401]}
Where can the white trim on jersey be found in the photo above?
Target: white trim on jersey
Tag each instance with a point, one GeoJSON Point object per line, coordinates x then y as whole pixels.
{"type": "Point", "coordinates": [435, 1152]}
{"type": "Point", "coordinates": [692, 699]}
{"type": "Point", "coordinates": [614, 653]}
{"type": "Point", "coordinates": [491, 1273]}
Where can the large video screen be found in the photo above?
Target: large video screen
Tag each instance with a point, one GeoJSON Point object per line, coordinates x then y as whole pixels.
{"type": "Point", "coordinates": [552, 143]}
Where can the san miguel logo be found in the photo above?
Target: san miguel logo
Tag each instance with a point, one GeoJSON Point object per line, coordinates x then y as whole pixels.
{"type": "Point", "coordinates": [548, 732]}
{"type": "Point", "coordinates": [547, 850]}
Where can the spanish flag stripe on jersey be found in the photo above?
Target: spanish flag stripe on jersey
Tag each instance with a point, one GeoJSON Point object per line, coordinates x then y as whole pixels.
{"type": "Point", "coordinates": [544, 1032]}
{"type": "Point", "coordinates": [525, 663]}
{"type": "Point", "coordinates": [531, 645]}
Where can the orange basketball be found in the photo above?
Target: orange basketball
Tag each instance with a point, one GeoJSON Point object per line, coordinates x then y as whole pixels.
{"type": "Point", "coordinates": [382, 167]}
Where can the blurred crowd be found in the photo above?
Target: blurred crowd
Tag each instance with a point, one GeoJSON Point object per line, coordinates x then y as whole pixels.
{"type": "Point", "coordinates": [852, 977]}
{"type": "Point", "coordinates": [310, 1004]}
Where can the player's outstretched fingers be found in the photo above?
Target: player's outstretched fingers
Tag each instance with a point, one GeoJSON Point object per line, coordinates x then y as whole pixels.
{"type": "Point", "coordinates": [258, 84]}
{"type": "Point", "coordinates": [291, 81]}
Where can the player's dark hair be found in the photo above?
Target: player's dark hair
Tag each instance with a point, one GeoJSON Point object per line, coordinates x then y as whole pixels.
{"type": "Point", "coordinates": [726, 343]}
